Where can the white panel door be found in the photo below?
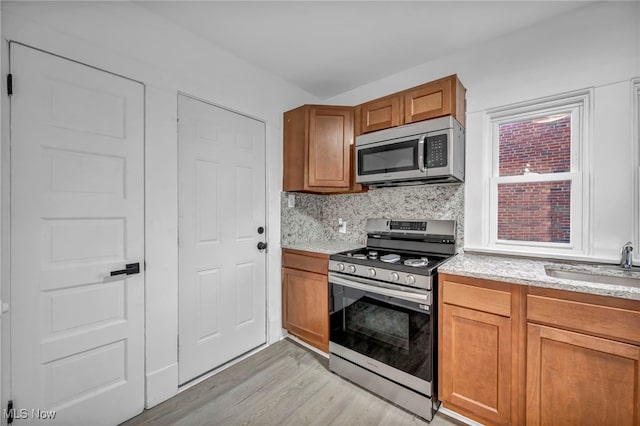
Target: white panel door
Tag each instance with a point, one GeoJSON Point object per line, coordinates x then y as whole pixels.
{"type": "Point", "coordinates": [222, 295]}
{"type": "Point", "coordinates": [77, 333]}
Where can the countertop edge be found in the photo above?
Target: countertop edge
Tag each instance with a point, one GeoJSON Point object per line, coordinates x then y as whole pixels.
{"type": "Point", "coordinates": [323, 247]}
{"type": "Point", "coordinates": [536, 278]}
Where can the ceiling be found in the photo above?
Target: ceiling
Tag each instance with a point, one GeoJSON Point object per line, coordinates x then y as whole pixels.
{"type": "Point", "coordinates": [327, 48]}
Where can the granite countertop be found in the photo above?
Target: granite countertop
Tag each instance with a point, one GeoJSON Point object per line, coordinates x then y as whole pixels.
{"type": "Point", "coordinates": [532, 272]}
{"type": "Point", "coordinates": [326, 247]}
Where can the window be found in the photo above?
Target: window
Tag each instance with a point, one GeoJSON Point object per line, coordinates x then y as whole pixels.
{"type": "Point", "coordinates": [538, 172]}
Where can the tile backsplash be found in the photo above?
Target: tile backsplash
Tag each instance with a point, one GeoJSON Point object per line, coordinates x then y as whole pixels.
{"type": "Point", "coordinates": [315, 217]}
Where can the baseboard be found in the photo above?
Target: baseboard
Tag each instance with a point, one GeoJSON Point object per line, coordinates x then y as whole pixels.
{"type": "Point", "coordinates": [161, 385]}
{"type": "Point", "coordinates": [458, 417]}
{"type": "Point", "coordinates": [306, 345]}
{"type": "Point", "coordinates": [221, 368]}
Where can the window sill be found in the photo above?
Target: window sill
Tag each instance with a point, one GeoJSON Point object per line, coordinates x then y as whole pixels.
{"type": "Point", "coordinates": [540, 254]}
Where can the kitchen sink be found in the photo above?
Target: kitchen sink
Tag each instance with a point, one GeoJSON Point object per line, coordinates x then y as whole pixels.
{"type": "Point", "coordinates": [599, 274]}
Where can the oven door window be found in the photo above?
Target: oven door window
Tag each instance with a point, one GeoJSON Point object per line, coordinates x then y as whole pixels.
{"type": "Point", "coordinates": [392, 331]}
{"type": "Point", "coordinates": [393, 157]}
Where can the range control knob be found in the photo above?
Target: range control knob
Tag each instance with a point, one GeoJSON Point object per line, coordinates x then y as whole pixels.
{"type": "Point", "coordinates": [372, 272]}
{"type": "Point", "coordinates": [395, 276]}
{"type": "Point", "coordinates": [410, 279]}
{"type": "Point", "coordinates": [341, 267]}
{"type": "Point", "coordinates": [351, 269]}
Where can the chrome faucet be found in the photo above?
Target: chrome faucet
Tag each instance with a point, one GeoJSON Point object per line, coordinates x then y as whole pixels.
{"type": "Point", "coordinates": [626, 258]}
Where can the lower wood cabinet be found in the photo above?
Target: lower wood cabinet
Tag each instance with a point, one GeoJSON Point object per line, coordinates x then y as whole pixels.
{"type": "Point", "coordinates": [511, 354]}
{"type": "Point", "coordinates": [476, 375]}
{"type": "Point", "coordinates": [476, 346]}
{"type": "Point", "coordinates": [305, 297]}
{"type": "Point", "coordinates": [583, 359]}
{"type": "Point", "coordinates": [577, 379]}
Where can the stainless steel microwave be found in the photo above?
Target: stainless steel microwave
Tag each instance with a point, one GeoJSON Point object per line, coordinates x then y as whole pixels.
{"type": "Point", "coordinates": [430, 151]}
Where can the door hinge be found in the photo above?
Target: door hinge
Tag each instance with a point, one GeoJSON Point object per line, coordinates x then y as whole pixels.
{"type": "Point", "coordinates": [9, 84]}
{"type": "Point", "coordinates": [8, 413]}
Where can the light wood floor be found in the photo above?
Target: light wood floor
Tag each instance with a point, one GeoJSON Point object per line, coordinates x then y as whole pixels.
{"type": "Point", "coordinates": [284, 384]}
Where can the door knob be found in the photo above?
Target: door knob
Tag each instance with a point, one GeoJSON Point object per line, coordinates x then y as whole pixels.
{"type": "Point", "coordinates": [262, 246]}
{"type": "Point", "coordinates": [130, 269]}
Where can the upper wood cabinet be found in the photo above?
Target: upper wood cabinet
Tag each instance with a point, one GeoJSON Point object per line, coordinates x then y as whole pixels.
{"type": "Point", "coordinates": [318, 149]}
{"type": "Point", "coordinates": [437, 98]}
{"type": "Point", "coordinates": [381, 114]}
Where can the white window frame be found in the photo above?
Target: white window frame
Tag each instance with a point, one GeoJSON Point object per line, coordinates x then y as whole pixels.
{"type": "Point", "coordinates": [578, 105]}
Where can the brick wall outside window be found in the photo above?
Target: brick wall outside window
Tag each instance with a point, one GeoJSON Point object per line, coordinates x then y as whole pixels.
{"type": "Point", "coordinates": [535, 211]}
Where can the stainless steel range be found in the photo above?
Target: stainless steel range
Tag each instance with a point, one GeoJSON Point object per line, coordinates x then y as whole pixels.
{"type": "Point", "coordinates": [383, 310]}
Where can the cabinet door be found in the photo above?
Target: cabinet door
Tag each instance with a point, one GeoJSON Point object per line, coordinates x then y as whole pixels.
{"type": "Point", "coordinates": [476, 364]}
{"type": "Point", "coordinates": [381, 113]}
{"type": "Point", "coordinates": [329, 152]}
{"type": "Point", "coordinates": [306, 306]}
{"type": "Point", "coordinates": [428, 101]}
{"type": "Point", "coordinates": [577, 379]}
{"type": "Point", "coordinates": [293, 149]}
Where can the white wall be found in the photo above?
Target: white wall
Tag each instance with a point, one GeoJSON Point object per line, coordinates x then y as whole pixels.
{"type": "Point", "coordinates": [126, 39]}
{"type": "Point", "coordinates": [596, 46]}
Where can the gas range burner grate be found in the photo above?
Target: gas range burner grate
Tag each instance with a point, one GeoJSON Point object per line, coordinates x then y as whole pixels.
{"type": "Point", "coordinates": [390, 258]}
{"type": "Point", "coordinates": [423, 261]}
{"type": "Point", "coordinates": [359, 256]}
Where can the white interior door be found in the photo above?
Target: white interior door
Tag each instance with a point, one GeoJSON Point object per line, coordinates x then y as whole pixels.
{"type": "Point", "coordinates": [77, 333]}
{"type": "Point", "coordinates": [222, 295]}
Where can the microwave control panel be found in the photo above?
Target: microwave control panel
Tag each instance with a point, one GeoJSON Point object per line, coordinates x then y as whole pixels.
{"type": "Point", "coordinates": [436, 151]}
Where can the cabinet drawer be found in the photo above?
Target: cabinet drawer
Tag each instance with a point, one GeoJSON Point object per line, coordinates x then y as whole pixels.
{"type": "Point", "coordinates": [607, 321]}
{"type": "Point", "coordinates": [306, 261]}
{"type": "Point", "coordinates": [478, 298]}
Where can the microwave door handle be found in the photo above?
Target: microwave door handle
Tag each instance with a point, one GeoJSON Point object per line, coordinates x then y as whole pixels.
{"type": "Point", "coordinates": [421, 154]}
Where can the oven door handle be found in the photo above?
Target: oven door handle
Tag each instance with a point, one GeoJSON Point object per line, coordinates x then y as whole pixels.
{"type": "Point", "coordinates": [421, 154]}
{"type": "Point", "coordinates": [374, 287]}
